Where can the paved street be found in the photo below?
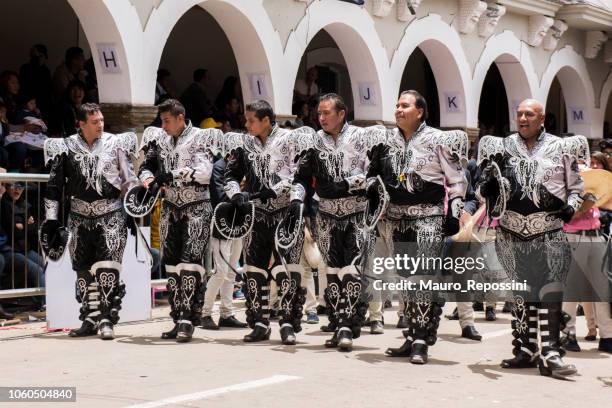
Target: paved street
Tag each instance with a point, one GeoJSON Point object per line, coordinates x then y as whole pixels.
{"type": "Point", "coordinates": [218, 369]}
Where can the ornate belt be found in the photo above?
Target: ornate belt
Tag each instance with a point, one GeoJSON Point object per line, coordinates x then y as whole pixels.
{"type": "Point", "coordinates": [180, 196]}
{"type": "Point", "coordinates": [95, 208]}
{"type": "Point", "coordinates": [530, 225]}
{"type": "Point", "coordinates": [342, 207]}
{"type": "Point", "coordinates": [397, 212]}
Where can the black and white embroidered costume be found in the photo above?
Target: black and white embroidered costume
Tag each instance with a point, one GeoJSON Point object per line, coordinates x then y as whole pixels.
{"type": "Point", "coordinates": [185, 215]}
{"type": "Point", "coordinates": [93, 180]}
{"type": "Point", "coordinates": [268, 167]}
{"type": "Point", "coordinates": [537, 192]}
{"type": "Point", "coordinates": [337, 171]}
{"type": "Point", "coordinates": [418, 173]}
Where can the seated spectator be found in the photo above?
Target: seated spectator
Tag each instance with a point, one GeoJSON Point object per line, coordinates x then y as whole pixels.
{"type": "Point", "coordinates": [17, 229]}
{"type": "Point", "coordinates": [73, 68]}
{"type": "Point", "coordinates": [65, 119]}
{"type": "Point", "coordinates": [28, 108]}
{"type": "Point", "coordinates": [12, 156]}
{"type": "Point", "coordinates": [231, 89]}
{"type": "Point", "coordinates": [9, 93]}
{"type": "Point", "coordinates": [196, 102]}
{"type": "Point", "coordinates": [232, 112]}
{"type": "Point", "coordinates": [36, 79]}
{"type": "Point", "coordinates": [307, 90]}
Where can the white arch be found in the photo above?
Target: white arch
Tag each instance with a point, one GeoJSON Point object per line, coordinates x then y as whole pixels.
{"type": "Point", "coordinates": [246, 24]}
{"type": "Point", "coordinates": [515, 66]}
{"type": "Point", "coordinates": [570, 68]}
{"type": "Point", "coordinates": [606, 93]}
{"type": "Point", "coordinates": [442, 46]}
{"type": "Point", "coordinates": [107, 23]}
{"type": "Point", "coordinates": [353, 30]}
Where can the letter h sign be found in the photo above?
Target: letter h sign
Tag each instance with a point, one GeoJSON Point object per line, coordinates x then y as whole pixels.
{"type": "Point", "coordinates": [109, 58]}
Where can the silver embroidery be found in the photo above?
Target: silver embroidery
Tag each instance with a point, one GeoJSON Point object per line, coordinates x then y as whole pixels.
{"type": "Point", "coordinates": [94, 208]}
{"type": "Point", "coordinates": [530, 225]}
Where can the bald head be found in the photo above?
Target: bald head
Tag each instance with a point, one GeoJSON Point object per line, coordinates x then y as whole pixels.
{"type": "Point", "coordinates": [530, 118]}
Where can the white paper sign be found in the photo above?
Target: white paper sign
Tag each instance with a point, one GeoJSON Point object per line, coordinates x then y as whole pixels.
{"type": "Point", "coordinates": [109, 58]}
{"type": "Point", "coordinates": [258, 86]}
{"type": "Point", "coordinates": [452, 102]}
{"type": "Point", "coordinates": [367, 94]}
{"type": "Point", "coordinates": [577, 115]}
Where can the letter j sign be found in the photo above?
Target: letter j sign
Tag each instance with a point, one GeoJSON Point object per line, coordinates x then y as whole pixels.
{"type": "Point", "coordinates": [367, 94]}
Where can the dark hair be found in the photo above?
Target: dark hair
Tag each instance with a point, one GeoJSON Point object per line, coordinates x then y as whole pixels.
{"type": "Point", "coordinates": [4, 78]}
{"type": "Point", "coordinates": [162, 73]}
{"type": "Point", "coordinates": [339, 104]}
{"type": "Point", "coordinates": [198, 74]}
{"type": "Point", "coordinates": [72, 53]}
{"type": "Point", "coordinates": [85, 110]}
{"type": "Point", "coordinates": [420, 103]}
{"type": "Point", "coordinates": [262, 109]}
{"type": "Point", "coordinates": [605, 144]}
{"type": "Point", "coordinates": [42, 49]}
{"type": "Point", "coordinates": [601, 158]}
{"type": "Point", "coordinates": [171, 106]}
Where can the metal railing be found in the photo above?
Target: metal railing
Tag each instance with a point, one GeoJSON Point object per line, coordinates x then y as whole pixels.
{"type": "Point", "coordinates": [22, 255]}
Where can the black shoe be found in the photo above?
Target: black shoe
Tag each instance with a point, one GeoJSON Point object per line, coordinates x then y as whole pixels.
{"type": "Point", "coordinates": [377, 327]}
{"type": "Point", "coordinates": [87, 329]}
{"type": "Point", "coordinates": [406, 333]}
{"type": "Point", "coordinates": [170, 334]}
{"type": "Point", "coordinates": [330, 328]}
{"type": "Point", "coordinates": [231, 322]}
{"type": "Point", "coordinates": [402, 351]}
{"type": "Point", "coordinates": [387, 304]}
{"type": "Point", "coordinates": [554, 367]}
{"type": "Point", "coordinates": [508, 306]}
{"type": "Point", "coordinates": [579, 311]}
{"type": "Point", "coordinates": [571, 344]}
{"type": "Point", "coordinates": [521, 360]}
{"type": "Point", "coordinates": [470, 332]}
{"type": "Point", "coordinates": [321, 310]}
{"type": "Point", "coordinates": [591, 337]}
{"type": "Point", "coordinates": [605, 345]}
{"type": "Point", "coordinates": [184, 333]}
{"type": "Point", "coordinates": [333, 342]}
{"type": "Point", "coordinates": [287, 335]}
{"type": "Point", "coordinates": [490, 314]}
{"type": "Point", "coordinates": [345, 339]}
{"type": "Point", "coordinates": [5, 315]}
{"type": "Point", "coordinates": [454, 315]}
{"type": "Point", "coordinates": [478, 306]}
{"type": "Point", "coordinates": [259, 333]}
{"type": "Point", "coordinates": [402, 322]}
{"type": "Point", "coordinates": [209, 324]}
{"type": "Point", "coordinates": [418, 355]}
{"type": "Point", "coordinates": [106, 331]}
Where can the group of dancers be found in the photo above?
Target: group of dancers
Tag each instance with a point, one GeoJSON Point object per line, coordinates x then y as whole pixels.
{"type": "Point", "coordinates": [408, 180]}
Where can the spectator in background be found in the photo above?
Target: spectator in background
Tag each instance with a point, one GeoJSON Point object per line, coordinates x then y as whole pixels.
{"type": "Point", "coordinates": [73, 68]}
{"type": "Point", "coordinates": [606, 148]}
{"type": "Point", "coordinates": [230, 89]}
{"type": "Point", "coordinates": [307, 90]}
{"type": "Point", "coordinates": [196, 102]}
{"type": "Point", "coordinates": [606, 130]}
{"type": "Point", "coordinates": [3, 274]}
{"type": "Point", "coordinates": [28, 107]}
{"type": "Point", "coordinates": [12, 155]}
{"type": "Point", "coordinates": [163, 88]}
{"type": "Point", "coordinates": [9, 93]}
{"type": "Point", "coordinates": [66, 116]}
{"type": "Point", "coordinates": [20, 232]}
{"type": "Point", "coordinates": [36, 79]}
{"type": "Point", "coordinates": [599, 161]}
{"type": "Point", "coordinates": [91, 82]}
{"type": "Point", "coordinates": [4, 130]}
{"type": "Point", "coordinates": [232, 112]}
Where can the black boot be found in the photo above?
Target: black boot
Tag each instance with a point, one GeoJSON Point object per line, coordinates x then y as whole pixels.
{"type": "Point", "coordinates": [332, 299]}
{"type": "Point", "coordinates": [174, 299]}
{"type": "Point", "coordinates": [470, 332]}
{"type": "Point", "coordinates": [87, 329]}
{"type": "Point", "coordinates": [287, 334]}
{"type": "Point", "coordinates": [171, 334]}
{"type": "Point", "coordinates": [402, 351]}
{"type": "Point", "coordinates": [525, 340]}
{"type": "Point", "coordinates": [345, 339]}
{"type": "Point", "coordinates": [454, 315]}
{"type": "Point", "coordinates": [88, 296]}
{"type": "Point", "coordinates": [605, 345]}
{"type": "Point", "coordinates": [490, 314]}
{"type": "Point", "coordinates": [106, 331]}
{"type": "Point", "coordinates": [332, 342]}
{"type": "Point", "coordinates": [418, 355]}
{"type": "Point", "coordinates": [259, 333]}
{"type": "Point", "coordinates": [551, 321]}
{"type": "Point", "coordinates": [208, 323]}
{"type": "Point", "coordinates": [111, 291]}
{"type": "Point", "coordinates": [192, 287]}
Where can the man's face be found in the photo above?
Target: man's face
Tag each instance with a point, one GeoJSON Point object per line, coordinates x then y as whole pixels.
{"type": "Point", "coordinates": [529, 118]}
{"type": "Point", "coordinates": [172, 125]}
{"type": "Point", "coordinates": [78, 62]}
{"type": "Point", "coordinates": [407, 115]}
{"type": "Point", "coordinates": [255, 126]}
{"type": "Point", "coordinates": [15, 191]}
{"type": "Point", "coordinates": [608, 153]}
{"type": "Point", "coordinates": [234, 106]}
{"type": "Point", "coordinates": [94, 126]}
{"type": "Point", "coordinates": [329, 118]}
